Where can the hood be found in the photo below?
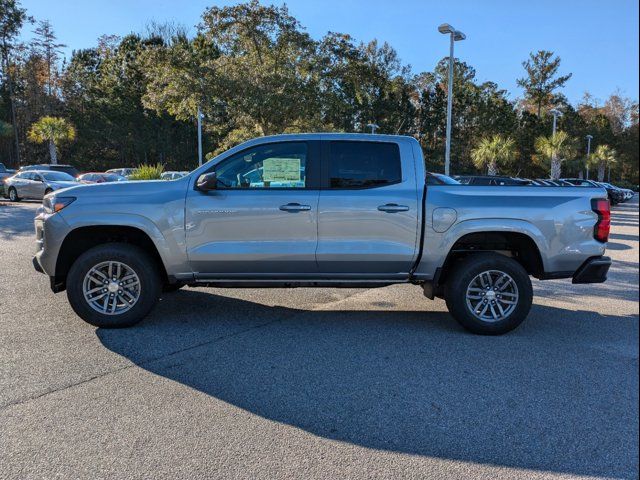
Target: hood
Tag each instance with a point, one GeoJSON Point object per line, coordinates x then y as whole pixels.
{"type": "Point", "coordinates": [126, 188]}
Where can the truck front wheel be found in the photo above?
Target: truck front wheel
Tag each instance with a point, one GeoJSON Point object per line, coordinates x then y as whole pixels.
{"type": "Point", "coordinates": [488, 293]}
{"type": "Point", "coordinates": [113, 285]}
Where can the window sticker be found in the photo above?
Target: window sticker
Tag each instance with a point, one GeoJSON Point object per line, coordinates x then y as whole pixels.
{"type": "Point", "coordinates": [281, 170]}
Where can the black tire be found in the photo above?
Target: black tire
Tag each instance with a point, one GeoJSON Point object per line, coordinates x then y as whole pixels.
{"type": "Point", "coordinates": [461, 278]}
{"type": "Point", "coordinates": [138, 260]}
{"type": "Point", "coordinates": [13, 195]}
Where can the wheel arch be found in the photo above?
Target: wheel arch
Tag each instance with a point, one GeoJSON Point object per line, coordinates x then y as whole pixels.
{"type": "Point", "coordinates": [81, 239]}
{"type": "Point", "coordinates": [515, 244]}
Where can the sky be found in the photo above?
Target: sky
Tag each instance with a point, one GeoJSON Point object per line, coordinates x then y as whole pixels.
{"type": "Point", "coordinates": [597, 40]}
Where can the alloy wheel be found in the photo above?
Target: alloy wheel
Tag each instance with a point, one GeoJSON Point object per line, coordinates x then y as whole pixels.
{"type": "Point", "coordinates": [492, 296]}
{"type": "Point", "coordinates": [111, 287]}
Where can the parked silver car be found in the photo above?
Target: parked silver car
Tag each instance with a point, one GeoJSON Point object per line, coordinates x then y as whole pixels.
{"type": "Point", "coordinates": [35, 184]}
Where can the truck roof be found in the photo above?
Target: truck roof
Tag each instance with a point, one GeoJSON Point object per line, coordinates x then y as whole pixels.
{"type": "Point", "coordinates": [331, 135]}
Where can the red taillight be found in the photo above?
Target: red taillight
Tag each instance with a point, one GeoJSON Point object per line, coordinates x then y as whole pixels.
{"type": "Point", "coordinates": [603, 225]}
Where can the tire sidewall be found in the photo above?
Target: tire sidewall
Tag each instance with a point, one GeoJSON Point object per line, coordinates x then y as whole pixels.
{"type": "Point", "coordinates": [13, 194]}
{"type": "Point", "coordinates": [134, 257]}
{"type": "Point", "coordinates": [466, 271]}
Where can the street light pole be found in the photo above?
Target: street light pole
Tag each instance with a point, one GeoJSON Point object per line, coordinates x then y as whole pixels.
{"type": "Point", "coordinates": [447, 154]}
{"type": "Point", "coordinates": [555, 164]}
{"type": "Point", "coordinates": [455, 35]}
{"type": "Point", "coordinates": [199, 136]}
{"type": "Point", "coordinates": [589, 138]}
{"type": "Point", "coordinates": [556, 113]}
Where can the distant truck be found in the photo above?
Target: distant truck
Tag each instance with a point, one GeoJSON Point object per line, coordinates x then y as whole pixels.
{"type": "Point", "coordinates": [319, 210]}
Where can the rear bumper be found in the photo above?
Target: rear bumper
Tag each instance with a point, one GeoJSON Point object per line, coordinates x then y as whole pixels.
{"type": "Point", "coordinates": [593, 270]}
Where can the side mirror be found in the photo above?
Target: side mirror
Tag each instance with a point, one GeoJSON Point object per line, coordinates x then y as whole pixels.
{"type": "Point", "coordinates": [207, 182]}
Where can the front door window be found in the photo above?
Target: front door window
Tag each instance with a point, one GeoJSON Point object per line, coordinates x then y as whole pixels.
{"type": "Point", "coordinates": [280, 165]}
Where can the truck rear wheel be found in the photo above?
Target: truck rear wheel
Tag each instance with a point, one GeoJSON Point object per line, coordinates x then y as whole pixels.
{"type": "Point", "coordinates": [489, 293]}
{"type": "Point", "coordinates": [113, 285]}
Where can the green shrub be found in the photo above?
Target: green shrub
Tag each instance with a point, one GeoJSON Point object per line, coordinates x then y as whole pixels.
{"type": "Point", "coordinates": [147, 172]}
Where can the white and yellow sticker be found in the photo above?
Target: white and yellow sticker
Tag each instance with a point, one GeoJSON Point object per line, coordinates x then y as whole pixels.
{"type": "Point", "coordinates": [281, 170]}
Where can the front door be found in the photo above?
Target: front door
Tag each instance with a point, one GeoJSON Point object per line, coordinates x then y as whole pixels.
{"type": "Point", "coordinates": [36, 186]}
{"type": "Point", "coordinates": [368, 214]}
{"type": "Point", "coordinates": [21, 183]}
{"type": "Point", "coordinates": [262, 218]}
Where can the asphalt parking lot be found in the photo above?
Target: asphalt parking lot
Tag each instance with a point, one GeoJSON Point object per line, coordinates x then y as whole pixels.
{"type": "Point", "coordinates": [302, 383]}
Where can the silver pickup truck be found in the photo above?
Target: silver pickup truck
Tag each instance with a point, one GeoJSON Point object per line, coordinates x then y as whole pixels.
{"type": "Point", "coordinates": [319, 210]}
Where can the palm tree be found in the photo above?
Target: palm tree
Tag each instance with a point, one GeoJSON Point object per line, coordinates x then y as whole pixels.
{"type": "Point", "coordinates": [54, 130]}
{"type": "Point", "coordinates": [556, 149]}
{"type": "Point", "coordinates": [603, 157]}
{"type": "Point", "coordinates": [6, 129]}
{"type": "Point", "coordinates": [492, 152]}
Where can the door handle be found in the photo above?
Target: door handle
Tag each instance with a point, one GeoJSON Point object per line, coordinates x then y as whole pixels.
{"type": "Point", "coordinates": [294, 207]}
{"type": "Point", "coordinates": [393, 208]}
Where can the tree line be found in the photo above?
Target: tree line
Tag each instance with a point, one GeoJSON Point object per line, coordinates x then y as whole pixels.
{"type": "Point", "coordinates": [253, 70]}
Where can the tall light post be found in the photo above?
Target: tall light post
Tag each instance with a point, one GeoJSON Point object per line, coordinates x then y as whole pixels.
{"type": "Point", "coordinates": [200, 117]}
{"type": "Point", "coordinates": [555, 163]}
{"type": "Point", "coordinates": [454, 36]}
{"type": "Point", "coordinates": [373, 127]}
{"type": "Point", "coordinates": [589, 138]}
{"type": "Point", "coordinates": [556, 113]}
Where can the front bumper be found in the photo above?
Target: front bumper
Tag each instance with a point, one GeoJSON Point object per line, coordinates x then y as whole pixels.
{"type": "Point", "coordinates": [593, 270]}
{"type": "Point", "coordinates": [36, 264]}
{"type": "Point", "coordinates": [50, 231]}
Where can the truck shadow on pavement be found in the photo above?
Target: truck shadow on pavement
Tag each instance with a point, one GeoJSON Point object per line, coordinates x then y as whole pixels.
{"type": "Point", "coordinates": [558, 394]}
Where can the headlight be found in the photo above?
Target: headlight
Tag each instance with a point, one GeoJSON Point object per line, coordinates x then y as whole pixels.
{"type": "Point", "coordinates": [53, 204]}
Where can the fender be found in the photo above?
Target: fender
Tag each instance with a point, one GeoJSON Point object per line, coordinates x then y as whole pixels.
{"type": "Point", "coordinates": [170, 247]}
{"type": "Point", "coordinates": [438, 245]}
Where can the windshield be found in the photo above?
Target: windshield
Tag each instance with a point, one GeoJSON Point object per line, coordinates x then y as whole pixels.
{"type": "Point", "coordinates": [57, 177]}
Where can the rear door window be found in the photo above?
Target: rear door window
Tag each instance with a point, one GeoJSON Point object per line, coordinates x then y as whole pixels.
{"type": "Point", "coordinates": [482, 181]}
{"type": "Point", "coordinates": [363, 164]}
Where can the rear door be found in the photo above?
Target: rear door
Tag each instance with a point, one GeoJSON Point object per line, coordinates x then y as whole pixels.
{"type": "Point", "coordinates": [261, 221]}
{"type": "Point", "coordinates": [368, 215]}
